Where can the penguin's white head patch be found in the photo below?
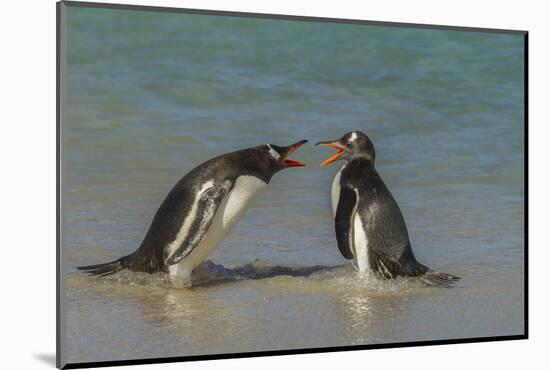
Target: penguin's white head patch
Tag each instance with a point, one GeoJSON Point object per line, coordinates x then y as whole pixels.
{"type": "Point", "coordinates": [273, 152]}
{"type": "Point", "coordinates": [352, 137]}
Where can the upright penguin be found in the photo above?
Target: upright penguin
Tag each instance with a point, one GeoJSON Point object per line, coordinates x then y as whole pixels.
{"type": "Point", "coordinates": [200, 210]}
{"type": "Point", "coordinates": [370, 228]}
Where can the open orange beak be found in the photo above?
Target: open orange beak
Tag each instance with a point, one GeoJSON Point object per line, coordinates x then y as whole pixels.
{"type": "Point", "coordinates": [337, 155]}
{"type": "Point", "coordinates": [291, 149]}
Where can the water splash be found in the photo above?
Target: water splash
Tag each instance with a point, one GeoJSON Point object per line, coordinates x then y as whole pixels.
{"type": "Point", "coordinates": [292, 278]}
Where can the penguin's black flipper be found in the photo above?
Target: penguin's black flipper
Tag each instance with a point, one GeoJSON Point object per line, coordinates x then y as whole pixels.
{"type": "Point", "coordinates": [207, 207]}
{"type": "Point", "coordinates": [345, 213]}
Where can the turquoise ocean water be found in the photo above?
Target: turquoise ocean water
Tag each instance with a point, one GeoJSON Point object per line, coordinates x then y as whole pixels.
{"type": "Point", "coordinates": [152, 95]}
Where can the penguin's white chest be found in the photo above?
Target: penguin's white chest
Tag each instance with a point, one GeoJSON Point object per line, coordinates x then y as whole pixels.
{"type": "Point", "coordinates": [360, 241]}
{"type": "Point", "coordinates": [335, 190]}
{"type": "Point", "coordinates": [232, 208]}
{"type": "Point", "coordinates": [242, 196]}
{"type": "Point", "coordinates": [361, 244]}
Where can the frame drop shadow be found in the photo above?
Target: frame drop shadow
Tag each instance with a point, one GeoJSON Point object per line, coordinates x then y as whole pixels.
{"type": "Point", "coordinates": [47, 358]}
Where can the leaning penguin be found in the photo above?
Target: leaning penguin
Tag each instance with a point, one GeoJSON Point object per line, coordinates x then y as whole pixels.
{"type": "Point", "coordinates": [200, 210]}
{"type": "Point", "coordinates": [370, 229]}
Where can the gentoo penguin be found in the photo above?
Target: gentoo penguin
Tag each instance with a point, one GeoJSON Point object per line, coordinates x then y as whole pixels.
{"type": "Point", "coordinates": [200, 210]}
{"type": "Point", "coordinates": [370, 229]}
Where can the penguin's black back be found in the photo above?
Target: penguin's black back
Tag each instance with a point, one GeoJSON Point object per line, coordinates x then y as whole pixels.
{"type": "Point", "coordinates": [177, 204]}
{"type": "Point", "coordinates": [168, 219]}
{"type": "Point", "coordinates": [381, 217]}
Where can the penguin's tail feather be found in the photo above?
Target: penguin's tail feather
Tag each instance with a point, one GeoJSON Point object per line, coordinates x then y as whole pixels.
{"type": "Point", "coordinates": [109, 268]}
{"type": "Point", "coordinates": [436, 278]}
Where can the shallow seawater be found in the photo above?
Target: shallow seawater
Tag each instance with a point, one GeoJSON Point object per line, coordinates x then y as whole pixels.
{"type": "Point", "coordinates": [152, 95]}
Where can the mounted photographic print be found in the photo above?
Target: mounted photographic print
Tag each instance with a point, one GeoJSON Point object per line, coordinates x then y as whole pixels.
{"type": "Point", "coordinates": [234, 184]}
